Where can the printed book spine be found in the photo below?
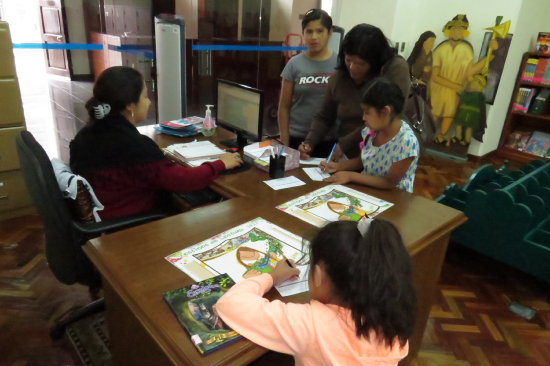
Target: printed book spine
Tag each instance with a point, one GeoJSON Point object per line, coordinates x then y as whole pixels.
{"type": "Point", "coordinates": [546, 76]}
{"type": "Point", "coordinates": [529, 71]}
{"type": "Point", "coordinates": [540, 70]}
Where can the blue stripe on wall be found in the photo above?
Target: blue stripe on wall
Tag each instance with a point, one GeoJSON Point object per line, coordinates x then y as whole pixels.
{"type": "Point", "coordinates": [60, 46]}
{"type": "Point", "coordinates": [235, 47]}
{"type": "Point", "coordinates": [141, 48]}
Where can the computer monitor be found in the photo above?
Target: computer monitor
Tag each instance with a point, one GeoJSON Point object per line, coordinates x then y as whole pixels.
{"type": "Point", "coordinates": [239, 109]}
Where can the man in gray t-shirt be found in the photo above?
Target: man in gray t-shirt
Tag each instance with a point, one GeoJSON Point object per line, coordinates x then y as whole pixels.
{"type": "Point", "coordinates": [310, 78]}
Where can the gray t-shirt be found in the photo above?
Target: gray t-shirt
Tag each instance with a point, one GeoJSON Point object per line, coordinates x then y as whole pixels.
{"type": "Point", "coordinates": [310, 79]}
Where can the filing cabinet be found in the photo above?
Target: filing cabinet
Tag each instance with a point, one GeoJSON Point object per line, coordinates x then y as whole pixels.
{"type": "Point", "coordinates": [14, 198]}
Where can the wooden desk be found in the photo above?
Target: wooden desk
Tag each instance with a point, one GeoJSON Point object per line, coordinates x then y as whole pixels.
{"type": "Point", "coordinates": [143, 329]}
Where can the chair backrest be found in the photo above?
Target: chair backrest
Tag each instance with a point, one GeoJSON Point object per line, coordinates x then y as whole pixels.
{"type": "Point", "coordinates": [63, 245]}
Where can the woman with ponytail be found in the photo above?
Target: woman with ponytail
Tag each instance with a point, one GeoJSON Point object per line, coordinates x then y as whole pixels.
{"type": "Point", "coordinates": [127, 170]}
{"type": "Point", "coordinates": [362, 306]}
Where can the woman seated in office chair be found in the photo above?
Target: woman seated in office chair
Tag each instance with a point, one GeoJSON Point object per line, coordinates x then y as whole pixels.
{"type": "Point", "coordinates": [128, 170]}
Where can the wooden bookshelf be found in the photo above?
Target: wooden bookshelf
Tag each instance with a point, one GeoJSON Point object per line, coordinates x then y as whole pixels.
{"type": "Point", "coordinates": [521, 121]}
{"type": "Point", "coordinates": [532, 115]}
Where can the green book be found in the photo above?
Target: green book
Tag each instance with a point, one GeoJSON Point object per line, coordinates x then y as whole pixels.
{"type": "Point", "coordinates": [195, 308]}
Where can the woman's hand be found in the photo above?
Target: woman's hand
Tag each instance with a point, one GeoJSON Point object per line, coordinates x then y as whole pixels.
{"type": "Point", "coordinates": [339, 177]}
{"type": "Point", "coordinates": [231, 160]}
{"type": "Point", "coordinates": [283, 272]}
{"type": "Point", "coordinates": [305, 150]}
{"type": "Point", "coordinates": [331, 167]}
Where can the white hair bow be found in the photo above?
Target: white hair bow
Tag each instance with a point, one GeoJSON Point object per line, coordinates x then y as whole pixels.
{"type": "Point", "coordinates": [363, 225]}
{"type": "Point", "coordinates": [100, 111]}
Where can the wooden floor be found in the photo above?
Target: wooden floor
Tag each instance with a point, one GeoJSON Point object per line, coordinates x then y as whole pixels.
{"type": "Point", "coordinates": [469, 323]}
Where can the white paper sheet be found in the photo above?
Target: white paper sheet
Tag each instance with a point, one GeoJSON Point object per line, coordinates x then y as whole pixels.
{"type": "Point", "coordinates": [198, 150]}
{"type": "Point", "coordinates": [312, 161]}
{"type": "Point", "coordinates": [246, 250]}
{"type": "Point", "coordinates": [316, 174]}
{"type": "Point", "coordinates": [198, 162]}
{"type": "Point", "coordinates": [283, 183]}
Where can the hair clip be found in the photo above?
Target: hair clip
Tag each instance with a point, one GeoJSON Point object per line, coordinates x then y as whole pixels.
{"type": "Point", "coordinates": [101, 110]}
{"type": "Point", "coordinates": [363, 225]}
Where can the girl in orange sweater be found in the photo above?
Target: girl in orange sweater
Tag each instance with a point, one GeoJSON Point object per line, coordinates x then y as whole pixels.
{"type": "Point", "coordinates": [362, 300]}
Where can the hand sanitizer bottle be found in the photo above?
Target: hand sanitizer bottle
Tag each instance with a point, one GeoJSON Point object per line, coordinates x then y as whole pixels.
{"type": "Point", "coordinates": [208, 127]}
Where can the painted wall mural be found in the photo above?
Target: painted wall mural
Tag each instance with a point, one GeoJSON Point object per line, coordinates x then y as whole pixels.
{"type": "Point", "coordinates": [454, 84]}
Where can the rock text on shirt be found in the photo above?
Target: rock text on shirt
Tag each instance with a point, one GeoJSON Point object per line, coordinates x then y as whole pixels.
{"type": "Point", "coordinates": [315, 79]}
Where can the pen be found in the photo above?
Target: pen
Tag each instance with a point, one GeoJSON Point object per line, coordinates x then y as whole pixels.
{"type": "Point", "coordinates": [330, 156]}
{"type": "Point", "coordinates": [289, 263]}
{"type": "Point", "coordinates": [281, 151]}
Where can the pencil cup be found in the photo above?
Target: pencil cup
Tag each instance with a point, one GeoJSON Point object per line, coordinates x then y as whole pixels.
{"type": "Point", "coordinates": [277, 167]}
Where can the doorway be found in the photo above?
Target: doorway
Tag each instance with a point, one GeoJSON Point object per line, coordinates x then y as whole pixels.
{"type": "Point", "coordinates": [22, 17]}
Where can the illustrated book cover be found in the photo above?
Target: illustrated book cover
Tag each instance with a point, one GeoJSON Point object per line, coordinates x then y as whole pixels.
{"type": "Point", "coordinates": [244, 251]}
{"type": "Point", "coordinates": [183, 123]}
{"type": "Point", "coordinates": [195, 308]}
{"type": "Point", "coordinates": [539, 144]}
{"type": "Point", "coordinates": [543, 42]}
{"type": "Point", "coordinates": [334, 203]}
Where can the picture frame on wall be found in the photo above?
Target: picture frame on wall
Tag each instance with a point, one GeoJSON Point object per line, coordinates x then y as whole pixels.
{"type": "Point", "coordinates": [496, 65]}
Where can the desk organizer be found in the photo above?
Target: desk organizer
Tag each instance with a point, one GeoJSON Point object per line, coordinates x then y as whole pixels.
{"type": "Point", "coordinates": [292, 158]}
{"type": "Point", "coordinates": [508, 215]}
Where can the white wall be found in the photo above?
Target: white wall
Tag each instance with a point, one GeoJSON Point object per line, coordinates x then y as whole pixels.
{"type": "Point", "coordinates": [347, 13]}
{"type": "Point", "coordinates": [77, 34]}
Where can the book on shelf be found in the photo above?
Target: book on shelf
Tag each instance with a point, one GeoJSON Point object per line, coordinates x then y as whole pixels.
{"type": "Point", "coordinates": [518, 140]}
{"type": "Point", "coordinates": [539, 144]}
{"type": "Point", "coordinates": [538, 106]}
{"type": "Point", "coordinates": [195, 308]}
{"type": "Point", "coordinates": [540, 70]}
{"type": "Point", "coordinates": [523, 100]}
{"type": "Point", "coordinates": [530, 68]}
{"type": "Point", "coordinates": [546, 77]}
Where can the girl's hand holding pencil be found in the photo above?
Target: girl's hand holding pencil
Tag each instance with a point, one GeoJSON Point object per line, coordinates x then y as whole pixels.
{"type": "Point", "coordinates": [330, 167]}
{"type": "Point", "coordinates": [283, 272]}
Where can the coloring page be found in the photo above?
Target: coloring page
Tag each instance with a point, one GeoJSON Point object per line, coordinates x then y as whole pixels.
{"type": "Point", "coordinates": [245, 251]}
{"type": "Point", "coordinates": [333, 203]}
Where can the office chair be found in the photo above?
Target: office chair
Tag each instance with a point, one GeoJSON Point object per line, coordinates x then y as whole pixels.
{"type": "Point", "coordinates": [65, 235]}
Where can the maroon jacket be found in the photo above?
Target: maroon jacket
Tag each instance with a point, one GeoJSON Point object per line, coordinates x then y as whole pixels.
{"type": "Point", "coordinates": [131, 190]}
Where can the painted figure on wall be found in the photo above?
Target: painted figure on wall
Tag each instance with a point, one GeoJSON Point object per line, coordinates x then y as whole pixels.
{"type": "Point", "coordinates": [453, 64]}
{"type": "Point", "coordinates": [420, 62]}
{"type": "Point", "coordinates": [470, 119]}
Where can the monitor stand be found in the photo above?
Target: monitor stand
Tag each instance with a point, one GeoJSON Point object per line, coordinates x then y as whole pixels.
{"type": "Point", "coordinates": [240, 142]}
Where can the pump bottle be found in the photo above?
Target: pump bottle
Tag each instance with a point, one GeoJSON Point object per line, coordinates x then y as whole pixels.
{"type": "Point", "coordinates": [208, 127]}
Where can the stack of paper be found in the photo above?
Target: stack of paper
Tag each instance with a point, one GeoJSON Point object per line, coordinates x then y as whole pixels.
{"type": "Point", "coordinates": [257, 149]}
{"type": "Point", "coordinates": [198, 150]}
